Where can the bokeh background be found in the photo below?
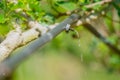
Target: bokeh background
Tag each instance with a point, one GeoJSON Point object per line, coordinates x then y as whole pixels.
{"type": "Point", "coordinates": [75, 55]}
{"type": "Point", "coordinates": [67, 58]}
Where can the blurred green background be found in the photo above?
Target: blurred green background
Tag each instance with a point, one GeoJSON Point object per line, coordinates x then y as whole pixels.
{"type": "Point", "coordinates": [69, 56]}
{"type": "Point", "coordinates": [66, 58]}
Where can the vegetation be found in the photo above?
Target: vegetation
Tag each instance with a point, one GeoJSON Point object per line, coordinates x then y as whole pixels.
{"type": "Point", "coordinates": [91, 37]}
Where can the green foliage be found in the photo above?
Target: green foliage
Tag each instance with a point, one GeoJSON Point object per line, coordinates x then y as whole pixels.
{"type": "Point", "coordinates": [52, 11]}
{"type": "Point", "coordinates": [63, 7]}
{"type": "Point", "coordinates": [116, 5]}
{"type": "Point", "coordinates": [2, 18]}
{"type": "Point", "coordinates": [46, 11]}
{"type": "Point", "coordinates": [115, 62]}
{"type": "Point", "coordinates": [4, 29]}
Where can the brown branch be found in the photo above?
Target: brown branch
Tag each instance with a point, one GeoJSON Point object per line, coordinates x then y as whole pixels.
{"type": "Point", "coordinates": [102, 38]}
{"type": "Point", "coordinates": [98, 3]}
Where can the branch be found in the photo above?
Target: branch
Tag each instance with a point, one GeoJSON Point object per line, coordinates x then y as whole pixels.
{"type": "Point", "coordinates": [22, 38]}
{"type": "Point", "coordinates": [86, 22]}
{"type": "Point", "coordinates": [10, 64]}
{"type": "Point", "coordinates": [17, 38]}
{"type": "Point", "coordinates": [98, 3]}
{"type": "Point", "coordinates": [102, 38]}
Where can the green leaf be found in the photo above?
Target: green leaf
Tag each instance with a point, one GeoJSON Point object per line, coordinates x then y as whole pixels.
{"type": "Point", "coordinates": [1, 5]}
{"type": "Point", "coordinates": [48, 19]}
{"type": "Point", "coordinates": [47, 7]}
{"type": "Point", "coordinates": [4, 29]}
{"type": "Point", "coordinates": [2, 18]}
{"type": "Point", "coordinates": [64, 6]}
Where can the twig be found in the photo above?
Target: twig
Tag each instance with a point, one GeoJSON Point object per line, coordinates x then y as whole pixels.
{"type": "Point", "coordinates": [98, 3]}
{"type": "Point", "coordinates": [102, 38]}
{"type": "Point", "coordinates": [86, 22]}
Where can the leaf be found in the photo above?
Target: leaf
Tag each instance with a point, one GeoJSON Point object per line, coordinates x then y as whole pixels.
{"type": "Point", "coordinates": [64, 6]}
{"type": "Point", "coordinates": [46, 6]}
{"type": "Point", "coordinates": [4, 29]}
{"type": "Point", "coordinates": [48, 19]}
{"type": "Point", "coordinates": [2, 18]}
{"type": "Point", "coordinates": [1, 5]}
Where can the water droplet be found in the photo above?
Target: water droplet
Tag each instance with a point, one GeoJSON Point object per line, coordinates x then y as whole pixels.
{"type": "Point", "coordinates": [81, 57]}
{"type": "Point", "coordinates": [78, 37]}
{"type": "Point", "coordinates": [85, 73]}
{"type": "Point", "coordinates": [79, 45]}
